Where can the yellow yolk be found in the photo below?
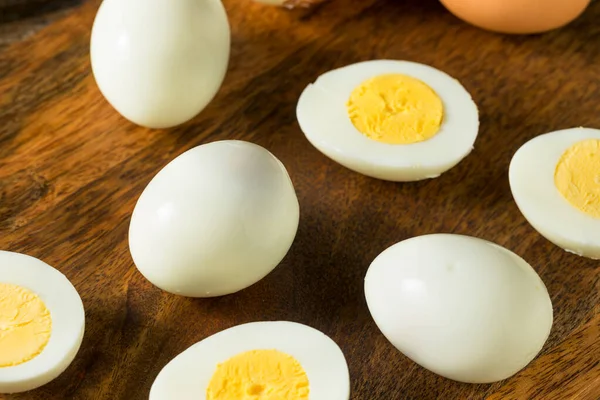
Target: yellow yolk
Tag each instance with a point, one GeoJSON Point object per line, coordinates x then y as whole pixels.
{"type": "Point", "coordinates": [577, 176]}
{"type": "Point", "coordinates": [259, 374]}
{"type": "Point", "coordinates": [395, 109]}
{"type": "Point", "coordinates": [25, 325]}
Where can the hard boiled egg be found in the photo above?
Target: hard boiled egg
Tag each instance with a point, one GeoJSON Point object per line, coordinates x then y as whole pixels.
{"type": "Point", "coordinates": [41, 323]}
{"type": "Point", "coordinates": [462, 307]}
{"type": "Point", "coordinates": [555, 181]}
{"type": "Point", "coordinates": [160, 62]}
{"type": "Point", "coordinates": [215, 220]}
{"type": "Point", "coordinates": [270, 360]}
{"type": "Point", "coordinates": [392, 120]}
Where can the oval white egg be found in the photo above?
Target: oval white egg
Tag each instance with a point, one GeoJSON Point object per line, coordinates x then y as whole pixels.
{"type": "Point", "coordinates": [66, 313]}
{"type": "Point", "coordinates": [188, 375]}
{"type": "Point", "coordinates": [215, 220]}
{"type": "Point", "coordinates": [324, 119]}
{"type": "Point", "coordinates": [464, 308]}
{"type": "Point", "coordinates": [532, 182]}
{"type": "Point", "coordinates": [159, 62]}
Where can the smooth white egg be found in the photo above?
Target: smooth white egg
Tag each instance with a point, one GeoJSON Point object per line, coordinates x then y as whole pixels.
{"type": "Point", "coordinates": [187, 376]}
{"type": "Point", "coordinates": [324, 119]}
{"type": "Point", "coordinates": [160, 62]}
{"type": "Point", "coordinates": [532, 182]}
{"type": "Point", "coordinates": [462, 307]}
{"type": "Point", "coordinates": [215, 220]}
{"type": "Point", "coordinates": [66, 313]}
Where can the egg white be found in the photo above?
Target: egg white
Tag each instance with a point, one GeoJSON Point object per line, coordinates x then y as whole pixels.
{"type": "Point", "coordinates": [323, 117]}
{"type": "Point", "coordinates": [531, 176]}
{"type": "Point", "coordinates": [160, 62]}
{"type": "Point", "coordinates": [68, 321]}
{"type": "Point", "coordinates": [215, 220]}
{"type": "Point", "coordinates": [187, 376]}
{"type": "Point", "coordinates": [462, 307]}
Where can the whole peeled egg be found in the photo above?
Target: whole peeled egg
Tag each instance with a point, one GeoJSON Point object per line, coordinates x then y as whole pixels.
{"type": "Point", "coordinates": [215, 220]}
{"type": "Point", "coordinates": [160, 62]}
{"type": "Point", "coordinates": [462, 307]}
{"type": "Point", "coordinates": [517, 16]}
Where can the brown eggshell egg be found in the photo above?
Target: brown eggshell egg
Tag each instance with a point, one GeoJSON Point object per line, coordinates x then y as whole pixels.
{"type": "Point", "coordinates": [517, 16]}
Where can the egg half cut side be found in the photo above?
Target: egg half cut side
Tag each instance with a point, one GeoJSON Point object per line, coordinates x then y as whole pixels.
{"type": "Point", "coordinates": [388, 119]}
{"type": "Point", "coordinates": [42, 323]}
{"type": "Point", "coordinates": [278, 359]}
{"type": "Point", "coordinates": [555, 181]}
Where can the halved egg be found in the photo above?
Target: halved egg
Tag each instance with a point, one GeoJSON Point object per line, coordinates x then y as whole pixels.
{"type": "Point", "coordinates": [464, 308]}
{"type": "Point", "coordinates": [391, 120]}
{"type": "Point", "coordinates": [42, 323]}
{"type": "Point", "coordinates": [263, 360]}
{"type": "Point", "coordinates": [555, 181]}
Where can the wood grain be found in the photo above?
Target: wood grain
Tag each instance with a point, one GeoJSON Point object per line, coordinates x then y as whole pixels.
{"type": "Point", "coordinates": [20, 19]}
{"type": "Point", "coordinates": [71, 170]}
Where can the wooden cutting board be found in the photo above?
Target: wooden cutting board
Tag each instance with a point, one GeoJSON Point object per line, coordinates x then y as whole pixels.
{"type": "Point", "coordinates": [71, 170]}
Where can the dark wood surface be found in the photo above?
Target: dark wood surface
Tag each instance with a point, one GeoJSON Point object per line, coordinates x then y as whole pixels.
{"type": "Point", "coordinates": [71, 170]}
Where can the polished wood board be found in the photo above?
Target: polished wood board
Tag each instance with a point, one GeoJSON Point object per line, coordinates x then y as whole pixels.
{"type": "Point", "coordinates": [71, 170]}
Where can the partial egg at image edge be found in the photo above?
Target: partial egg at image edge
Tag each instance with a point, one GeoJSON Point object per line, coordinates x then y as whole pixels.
{"type": "Point", "coordinates": [517, 17]}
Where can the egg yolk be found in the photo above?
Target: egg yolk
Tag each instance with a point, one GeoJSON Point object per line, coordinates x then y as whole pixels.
{"type": "Point", "coordinates": [259, 374]}
{"type": "Point", "coordinates": [577, 176]}
{"type": "Point", "coordinates": [395, 109]}
{"type": "Point", "coordinates": [25, 325]}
